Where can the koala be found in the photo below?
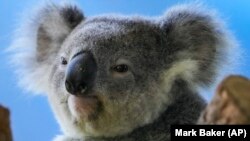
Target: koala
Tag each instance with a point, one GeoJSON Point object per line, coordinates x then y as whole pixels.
{"type": "Point", "coordinates": [121, 78]}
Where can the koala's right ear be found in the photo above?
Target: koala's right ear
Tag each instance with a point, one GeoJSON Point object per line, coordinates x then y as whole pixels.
{"type": "Point", "coordinates": [37, 42]}
{"type": "Point", "coordinates": [55, 25]}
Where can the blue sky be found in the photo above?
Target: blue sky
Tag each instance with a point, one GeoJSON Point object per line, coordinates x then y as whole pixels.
{"type": "Point", "coordinates": [32, 119]}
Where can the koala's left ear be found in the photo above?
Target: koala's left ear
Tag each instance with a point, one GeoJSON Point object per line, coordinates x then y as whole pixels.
{"type": "Point", "coordinates": [197, 40]}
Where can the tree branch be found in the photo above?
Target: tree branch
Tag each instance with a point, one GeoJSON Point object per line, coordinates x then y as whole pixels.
{"type": "Point", "coordinates": [5, 130]}
{"type": "Point", "coordinates": [230, 104]}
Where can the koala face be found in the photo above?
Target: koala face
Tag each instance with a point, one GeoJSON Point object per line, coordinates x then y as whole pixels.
{"type": "Point", "coordinates": [106, 76]}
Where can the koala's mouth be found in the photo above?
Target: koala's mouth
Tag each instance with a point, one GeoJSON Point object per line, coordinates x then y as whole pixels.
{"type": "Point", "coordinates": [84, 107]}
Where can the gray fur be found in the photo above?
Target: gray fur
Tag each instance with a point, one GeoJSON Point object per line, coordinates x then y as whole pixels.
{"type": "Point", "coordinates": [169, 58]}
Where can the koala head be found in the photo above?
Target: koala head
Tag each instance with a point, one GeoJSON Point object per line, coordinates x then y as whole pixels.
{"type": "Point", "coordinates": [107, 75]}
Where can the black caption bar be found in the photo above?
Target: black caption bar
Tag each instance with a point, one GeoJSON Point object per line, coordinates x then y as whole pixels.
{"type": "Point", "coordinates": [218, 132]}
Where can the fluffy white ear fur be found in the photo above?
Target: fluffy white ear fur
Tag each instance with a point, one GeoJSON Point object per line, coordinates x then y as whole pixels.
{"type": "Point", "coordinates": [23, 57]}
{"type": "Point", "coordinates": [227, 49]}
{"type": "Point", "coordinates": [33, 75]}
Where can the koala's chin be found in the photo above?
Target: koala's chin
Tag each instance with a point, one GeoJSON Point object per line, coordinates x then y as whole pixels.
{"type": "Point", "coordinates": [84, 107]}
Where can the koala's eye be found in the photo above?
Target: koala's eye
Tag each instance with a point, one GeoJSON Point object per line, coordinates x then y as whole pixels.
{"type": "Point", "coordinates": [120, 68]}
{"type": "Point", "coordinates": [64, 61]}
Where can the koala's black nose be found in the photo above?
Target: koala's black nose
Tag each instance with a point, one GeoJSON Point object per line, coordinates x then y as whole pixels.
{"type": "Point", "coordinates": [80, 74]}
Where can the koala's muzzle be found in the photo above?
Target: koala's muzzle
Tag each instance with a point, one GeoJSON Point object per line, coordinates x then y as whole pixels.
{"type": "Point", "coordinates": [80, 74]}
